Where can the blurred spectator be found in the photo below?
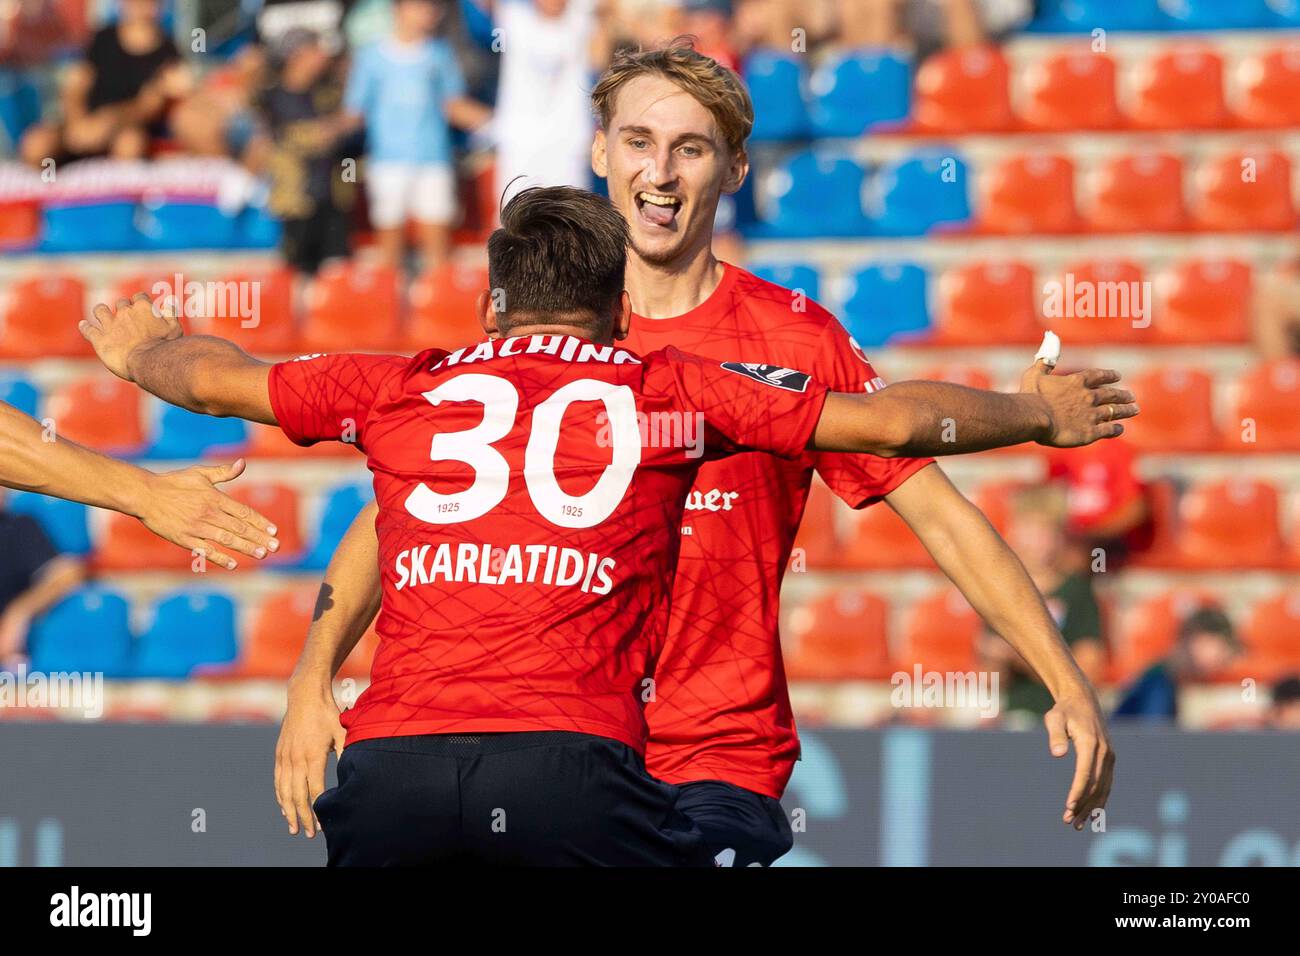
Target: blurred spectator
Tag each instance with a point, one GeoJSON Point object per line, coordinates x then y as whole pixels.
{"type": "Point", "coordinates": [1207, 644]}
{"type": "Point", "coordinates": [543, 125]}
{"type": "Point", "coordinates": [927, 26]}
{"type": "Point", "coordinates": [31, 31]}
{"type": "Point", "coordinates": [1284, 714]}
{"type": "Point", "coordinates": [309, 194]}
{"type": "Point", "coordinates": [33, 577]}
{"type": "Point", "coordinates": [1037, 535]}
{"type": "Point", "coordinates": [115, 100]}
{"type": "Point", "coordinates": [406, 90]}
{"type": "Point", "coordinates": [709, 21]}
{"type": "Point", "coordinates": [1106, 502]}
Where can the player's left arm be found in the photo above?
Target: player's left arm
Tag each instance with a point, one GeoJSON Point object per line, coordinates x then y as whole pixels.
{"type": "Point", "coordinates": [205, 374]}
{"type": "Point", "coordinates": [969, 550]}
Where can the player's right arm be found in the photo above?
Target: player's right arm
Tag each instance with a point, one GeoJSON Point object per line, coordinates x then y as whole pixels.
{"type": "Point", "coordinates": [202, 373]}
{"type": "Point", "coordinates": [348, 602]}
{"type": "Point", "coordinates": [922, 419]}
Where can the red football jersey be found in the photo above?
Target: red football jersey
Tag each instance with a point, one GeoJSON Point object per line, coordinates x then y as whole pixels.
{"type": "Point", "coordinates": [722, 711]}
{"type": "Point", "coordinates": [530, 497]}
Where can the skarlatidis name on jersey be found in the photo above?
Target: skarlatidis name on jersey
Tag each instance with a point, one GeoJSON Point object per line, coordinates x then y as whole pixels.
{"type": "Point", "coordinates": [513, 564]}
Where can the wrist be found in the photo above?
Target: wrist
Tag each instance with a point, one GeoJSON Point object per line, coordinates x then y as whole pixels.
{"type": "Point", "coordinates": [1039, 415]}
{"type": "Point", "coordinates": [310, 683]}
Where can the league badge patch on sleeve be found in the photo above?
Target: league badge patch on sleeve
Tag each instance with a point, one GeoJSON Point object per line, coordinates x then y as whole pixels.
{"type": "Point", "coordinates": [775, 375]}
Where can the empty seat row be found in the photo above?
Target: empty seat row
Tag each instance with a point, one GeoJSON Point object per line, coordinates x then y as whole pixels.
{"type": "Point", "coordinates": [126, 545]}
{"type": "Point", "coordinates": [347, 307]}
{"type": "Point", "coordinates": [1089, 302]}
{"type": "Point", "coordinates": [1226, 525]}
{"type": "Point", "coordinates": [190, 633]}
{"type": "Point", "coordinates": [1085, 16]}
{"type": "Point", "coordinates": [844, 634]}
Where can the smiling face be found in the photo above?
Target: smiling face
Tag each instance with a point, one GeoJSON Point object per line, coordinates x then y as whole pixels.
{"type": "Point", "coordinates": [667, 163]}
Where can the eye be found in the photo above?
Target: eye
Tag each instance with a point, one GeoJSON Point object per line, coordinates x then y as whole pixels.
{"type": "Point", "coordinates": [692, 151]}
{"type": "Point", "coordinates": [638, 144]}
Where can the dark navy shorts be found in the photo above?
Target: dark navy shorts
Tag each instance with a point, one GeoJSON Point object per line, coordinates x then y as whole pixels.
{"type": "Point", "coordinates": [548, 798]}
{"type": "Point", "coordinates": [741, 827]}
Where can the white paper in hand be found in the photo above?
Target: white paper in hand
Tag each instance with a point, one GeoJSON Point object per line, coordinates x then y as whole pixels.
{"type": "Point", "coordinates": [1050, 351]}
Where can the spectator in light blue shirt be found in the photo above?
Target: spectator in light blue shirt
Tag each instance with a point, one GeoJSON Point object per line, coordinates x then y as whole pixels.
{"type": "Point", "coordinates": [408, 91]}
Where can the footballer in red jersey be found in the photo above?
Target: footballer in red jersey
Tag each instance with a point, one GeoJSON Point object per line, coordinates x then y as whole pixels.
{"type": "Point", "coordinates": [531, 490]}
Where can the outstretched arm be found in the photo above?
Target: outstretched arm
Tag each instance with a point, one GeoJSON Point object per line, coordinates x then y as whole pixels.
{"type": "Point", "coordinates": [348, 602]}
{"type": "Point", "coordinates": [202, 373]}
{"type": "Point", "coordinates": [989, 575]}
{"type": "Point", "coordinates": [922, 419]}
{"type": "Point", "coordinates": [184, 507]}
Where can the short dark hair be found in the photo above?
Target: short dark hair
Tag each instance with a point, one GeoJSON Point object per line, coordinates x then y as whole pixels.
{"type": "Point", "coordinates": [1208, 620]}
{"type": "Point", "coordinates": [1287, 690]}
{"type": "Point", "coordinates": [560, 251]}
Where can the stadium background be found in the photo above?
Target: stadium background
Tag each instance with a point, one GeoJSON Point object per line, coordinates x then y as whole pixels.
{"type": "Point", "coordinates": [924, 182]}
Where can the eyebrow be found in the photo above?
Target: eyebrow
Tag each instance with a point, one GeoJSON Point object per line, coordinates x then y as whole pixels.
{"type": "Point", "coordinates": [684, 137]}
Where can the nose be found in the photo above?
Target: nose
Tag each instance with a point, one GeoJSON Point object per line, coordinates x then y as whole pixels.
{"type": "Point", "coordinates": [657, 170]}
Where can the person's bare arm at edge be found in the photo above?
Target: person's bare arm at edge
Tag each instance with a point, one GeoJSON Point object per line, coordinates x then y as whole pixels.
{"type": "Point", "coordinates": [969, 550]}
{"type": "Point", "coordinates": [183, 507]}
{"type": "Point", "coordinates": [201, 373]}
{"type": "Point", "coordinates": [348, 602]}
{"type": "Point", "coordinates": [925, 419]}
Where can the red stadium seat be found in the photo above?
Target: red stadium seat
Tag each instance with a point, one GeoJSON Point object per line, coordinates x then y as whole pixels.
{"type": "Point", "coordinates": [1273, 628]}
{"type": "Point", "coordinates": [985, 303]}
{"type": "Point", "coordinates": [879, 538]}
{"type": "Point", "coordinates": [940, 634]}
{"type": "Point", "coordinates": [1245, 192]}
{"type": "Point", "coordinates": [267, 441]}
{"type": "Point", "coordinates": [1230, 524]}
{"type": "Point", "coordinates": [1160, 547]}
{"type": "Point", "coordinates": [841, 635]}
{"type": "Point", "coordinates": [1200, 301]}
{"type": "Point", "coordinates": [271, 648]}
{"type": "Point", "coordinates": [357, 665]}
{"type": "Point", "coordinates": [817, 540]}
{"type": "Point", "coordinates": [444, 310]}
{"type": "Point", "coordinates": [281, 505]}
{"type": "Point", "coordinates": [155, 284]}
{"type": "Point", "coordinates": [1177, 410]}
{"type": "Point", "coordinates": [1270, 88]}
{"type": "Point", "coordinates": [1101, 300]}
{"type": "Point", "coordinates": [971, 376]}
{"type": "Point", "coordinates": [100, 411]}
{"type": "Point", "coordinates": [1265, 413]}
{"type": "Point", "coordinates": [40, 318]}
{"type": "Point", "coordinates": [1180, 88]}
{"type": "Point", "coordinates": [352, 307]}
{"type": "Point", "coordinates": [1072, 89]}
{"type": "Point", "coordinates": [1138, 193]}
{"type": "Point", "coordinates": [20, 223]}
{"type": "Point", "coordinates": [1150, 630]}
{"type": "Point", "coordinates": [272, 329]}
{"type": "Point", "coordinates": [127, 545]}
{"type": "Point", "coordinates": [962, 90]}
{"type": "Point", "coordinates": [1029, 194]}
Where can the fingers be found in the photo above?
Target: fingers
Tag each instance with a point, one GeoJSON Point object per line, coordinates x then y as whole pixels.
{"type": "Point", "coordinates": [210, 551]}
{"type": "Point", "coordinates": [1058, 741]}
{"type": "Point", "coordinates": [1081, 790]}
{"type": "Point", "coordinates": [1100, 782]}
{"type": "Point", "coordinates": [1110, 395]}
{"type": "Point", "coordinates": [284, 790]}
{"type": "Point", "coordinates": [1096, 377]}
{"type": "Point", "coordinates": [232, 535]}
{"type": "Point", "coordinates": [301, 801]}
{"type": "Point", "coordinates": [221, 473]}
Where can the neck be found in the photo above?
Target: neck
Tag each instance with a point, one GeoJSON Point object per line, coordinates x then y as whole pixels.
{"type": "Point", "coordinates": [665, 290]}
{"type": "Point", "coordinates": [553, 328]}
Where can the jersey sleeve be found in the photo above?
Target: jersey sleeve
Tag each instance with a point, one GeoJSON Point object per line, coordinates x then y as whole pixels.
{"type": "Point", "coordinates": [860, 480]}
{"type": "Point", "coordinates": [743, 406]}
{"type": "Point", "coordinates": [359, 92]}
{"type": "Point", "coordinates": [328, 397]}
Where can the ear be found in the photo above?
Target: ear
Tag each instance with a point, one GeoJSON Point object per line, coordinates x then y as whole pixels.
{"type": "Point", "coordinates": [599, 157]}
{"type": "Point", "coordinates": [736, 173]}
{"type": "Point", "coordinates": [623, 318]}
{"type": "Point", "coordinates": [487, 314]}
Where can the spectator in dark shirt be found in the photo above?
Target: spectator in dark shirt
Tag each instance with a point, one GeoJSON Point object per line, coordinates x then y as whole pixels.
{"type": "Point", "coordinates": [115, 99]}
{"type": "Point", "coordinates": [1207, 645]}
{"type": "Point", "coordinates": [1284, 714]}
{"type": "Point", "coordinates": [1037, 535]}
{"type": "Point", "coordinates": [306, 131]}
{"type": "Point", "coordinates": [33, 576]}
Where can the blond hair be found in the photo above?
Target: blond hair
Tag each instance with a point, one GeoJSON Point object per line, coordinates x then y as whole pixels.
{"type": "Point", "coordinates": [716, 88]}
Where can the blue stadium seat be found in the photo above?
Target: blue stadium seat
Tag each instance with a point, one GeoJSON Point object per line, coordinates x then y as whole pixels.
{"type": "Point", "coordinates": [1284, 13]}
{"type": "Point", "coordinates": [66, 522]}
{"type": "Point", "coordinates": [884, 301]}
{"type": "Point", "coordinates": [1217, 14]}
{"type": "Point", "coordinates": [183, 435]}
{"type": "Point", "coordinates": [776, 82]}
{"type": "Point", "coordinates": [186, 225]}
{"type": "Point", "coordinates": [1084, 16]}
{"type": "Point", "coordinates": [189, 629]}
{"type": "Point", "coordinates": [914, 195]}
{"type": "Point", "coordinates": [791, 275]}
{"type": "Point", "coordinates": [830, 184]}
{"type": "Point", "coordinates": [257, 229]}
{"type": "Point", "coordinates": [853, 92]}
{"type": "Point", "coordinates": [341, 506]}
{"type": "Point", "coordinates": [19, 393]}
{"type": "Point", "coordinates": [90, 227]}
{"type": "Point", "coordinates": [86, 631]}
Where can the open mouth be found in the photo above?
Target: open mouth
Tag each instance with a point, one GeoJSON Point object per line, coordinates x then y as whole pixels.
{"type": "Point", "coordinates": [658, 209]}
